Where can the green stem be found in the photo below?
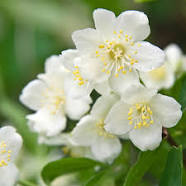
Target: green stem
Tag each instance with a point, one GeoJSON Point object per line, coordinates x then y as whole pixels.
{"type": "Point", "coordinates": [25, 183]}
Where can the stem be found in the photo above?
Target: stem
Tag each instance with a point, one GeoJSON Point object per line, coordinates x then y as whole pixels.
{"type": "Point", "coordinates": [168, 137]}
{"type": "Point", "coordinates": [25, 183]}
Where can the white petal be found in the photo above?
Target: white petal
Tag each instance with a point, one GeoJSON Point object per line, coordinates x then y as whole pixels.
{"type": "Point", "coordinates": [85, 131]}
{"type": "Point", "coordinates": [102, 106]}
{"type": "Point", "coordinates": [55, 76]}
{"type": "Point", "coordinates": [173, 55]}
{"type": "Point", "coordinates": [86, 40]}
{"type": "Point", "coordinates": [67, 58]}
{"type": "Point", "coordinates": [123, 81]}
{"type": "Point", "coordinates": [148, 56]}
{"type": "Point", "coordinates": [147, 138]}
{"type": "Point", "coordinates": [138, 94]}
{"type": "Point", "coordinates": [135, 24]}
{"type": "Point", "coordinates": [117, 121]}
{"type": "Point", "coordinates": [12, 140]}
{"type": "Point", "coordinates": [53, 64]}
{"type": "Point", "coordinates": [91, 69]}
{"type": "Point", "coordinates": [59, 140]}
{"type": "Point", "coordinates": [76, 108]}
{"type": "Point", "coordinates": [104, 22]}
{"type": "Point", "coordinates": [124, 136]}
{"type": "Point", "coordinates": [167, 109]}
{"type": "Point", "coordinates": [8, 175]}
{"type": "Point", "coordinates": [162, 77]}
{"type": "Point", "coordinates": [74, 90]}
{"type": "Point", "coordinates": [103, 88]}
{"type": "Point", "coordinates": [47, 123]}
{"type": "Point", "coordinates": [106, 149]}
{"type": "Point", "coordinates": [32, 94]}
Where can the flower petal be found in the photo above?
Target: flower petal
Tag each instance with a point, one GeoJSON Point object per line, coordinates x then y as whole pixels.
{"type": "Point", "coordinates": [148, 56]}
{"type": "Point", "coordinates": [138, 94]}
{"type": "Point", "coordinates": [162, 77]}
{"type": "Point", "coordinates": [47, 123]}
{"type": "Point", "coordinates": [173, 55]}
{"type": "Point", "coordinates": [135, 24]}
{"type": "Point", "coordinates": [9, 175]}
{"type": "Point", "coordinates": [12, 140]}
{"type": "Point", "coordinates": [104, 22]}
{"type": "Point", "coordinates": [32, 94]}
{"type": "Point", "coordinates": [85, 131]}
{"type": "Point", "coordinates": [53, 64]}
{"type": "Point", "coordinates": [166, 109]}
{"type": "Point", "coordinates": [147, 138]}
{"type": "Point", "coordinates": [102, 106]}
{"type": "Point", "coordinates": [67, 58]}
{"type": "Point", "coordinates": [103, 88]}
{"type": "Point", "coordinates": [73, 89]}
{"type": "Point", "coordinates": [86, 40]}
{"type": "Point", "coordinates": [123, 81]}
{"type": "Point", "coordinates": [91, 69]}
{"type": "Point", "coordinates": [76, 108]}
{"type": "Point", "coordinates": [117, 121]}
{"type": "Point", "coordinates": [106, 149]}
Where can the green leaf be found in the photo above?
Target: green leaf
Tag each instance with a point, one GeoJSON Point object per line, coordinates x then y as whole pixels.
{"type": "Point", "coordinates": [182, 98]}
{"type": "Point", "coordinates": [95, 180]}
{"type": "Point", "coordinates": [143, 164]}
{"type": "Point", "coordinates": [172, 175]}
{"type": "Point", "coordinates": [66, 166]}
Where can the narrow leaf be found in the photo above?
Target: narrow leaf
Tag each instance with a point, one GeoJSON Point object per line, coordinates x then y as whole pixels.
{"type": "Point", "coordinates": [144, 162]}
{"type": "Point", "coordinates": [172, 175]}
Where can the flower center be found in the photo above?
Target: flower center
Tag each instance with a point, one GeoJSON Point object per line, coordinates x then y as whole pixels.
{"type": "Point", "coordinates": [117, 53]}
{"type": "Point", "coordinates": [159, 73]}
{"type": "Point", "coordinates": [101, 131]}
{"type": "Point", "coordinates": [5, 154]}
{"type": "Point", "coordinates": [140, 115]}
{"type": "Point", "coordinates": [54, 99]}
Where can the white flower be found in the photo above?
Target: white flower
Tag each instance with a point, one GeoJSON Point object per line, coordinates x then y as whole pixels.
{"type": "Point", "coordinates": [164, 76]}
{"type": "Point", "coordinates": [115, 48]}
{"type": "Point", "coordinates": [174, 56]}
{"type": "Point", "coordinates": [90, 132]}
{"type": "Point", "coordinates": [78, 85]}
{"type": "Point", "coordinates": [142, 113]}
{"type": "Point", "coordinates": [52, 98]}
{"type": "Point", "coordinates": [10, 144]}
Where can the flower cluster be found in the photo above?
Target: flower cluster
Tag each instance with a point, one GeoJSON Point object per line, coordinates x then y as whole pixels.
{"type": "Point", "coordinates": [126, 71]}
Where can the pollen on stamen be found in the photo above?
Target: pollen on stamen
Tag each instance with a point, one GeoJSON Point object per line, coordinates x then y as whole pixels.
{"type": "Point", "coordinates": [101, 46]}
{"type": "Point", "coordinates": [140, 115]}
{"type": "Point", "coordinates": [121, 31]}
{"type": "Point", "coordinates": [139, 45]}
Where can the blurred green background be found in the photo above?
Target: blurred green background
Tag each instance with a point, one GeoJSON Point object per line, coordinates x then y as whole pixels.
{"type": "Point", "coordinates": [32, 30]}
